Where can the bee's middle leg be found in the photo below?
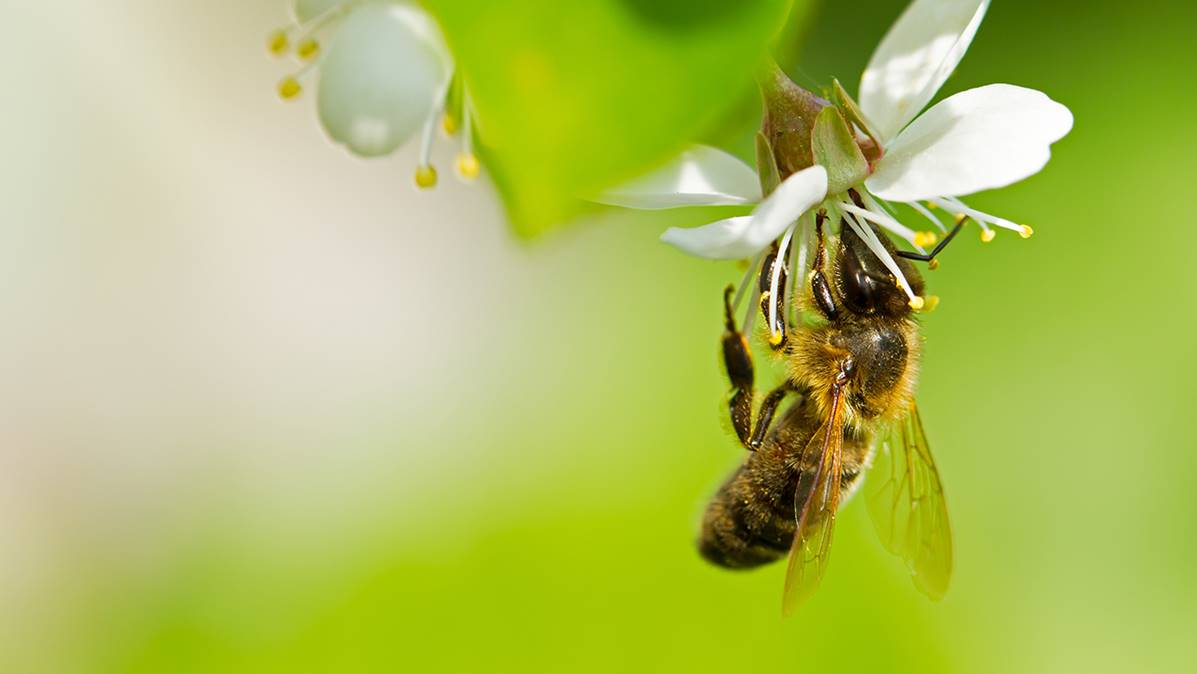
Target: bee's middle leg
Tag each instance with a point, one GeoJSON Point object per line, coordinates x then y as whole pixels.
{"type": "Point", "coordinates": [764, 417]}
{"type": "Point", "coordinates": [737, 358]}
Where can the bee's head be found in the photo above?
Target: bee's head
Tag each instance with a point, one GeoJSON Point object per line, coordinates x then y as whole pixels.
{"type": "Point", "coordinates": [866, 286]}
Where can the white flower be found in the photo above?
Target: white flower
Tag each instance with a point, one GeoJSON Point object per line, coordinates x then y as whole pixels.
{"type": "Point", "coordinates": [979, 139]}
{"type": "Point", "coordinates": [385, 76]}
{"type": "Point", "coordinates": [706, 176]}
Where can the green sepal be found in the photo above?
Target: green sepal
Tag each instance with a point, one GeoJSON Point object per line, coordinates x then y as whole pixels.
{"type": "Point", "coordinates": [766, 165]}
{"type": "Point", "coordinates": [835, 149]}
{"type": "Point", "coordinates": [851, 110]}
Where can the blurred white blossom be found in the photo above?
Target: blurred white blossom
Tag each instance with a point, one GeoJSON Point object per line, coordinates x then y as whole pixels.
{"type": "Point", "coordinates": [385, 77]}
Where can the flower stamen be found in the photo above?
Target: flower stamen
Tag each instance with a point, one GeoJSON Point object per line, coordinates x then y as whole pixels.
{"type": "Point", "coordinates": [308, 48]}
{"type": "Point", "coordinates": [926, 213]}
{"type": "Point", "coordinates": [878, 219]}
{"type": "Point", "coordinates": [743, 287]}
{"type": "Point", "coordinates": [425, 171]}
{"type": "Point", "coordinates": [291, 86]}
{"type": "Point", "coordinates": [279, 41]}
{"type": "Point", "coordinates": [306, 44]}
{"type": "Point", "coordinates": [894, 226]}
{"type": "Point", "coordinates": [754, 297]}
{"type": "Point", "coordinates": [981, 217]}
{"type": "Point", "coordinates": [885, 221]}
{"type": "Point", "coordinates": [921, 240]}
{"type": "Point", "coordinates": [797, 264]}
{"type": "Point", "coordinates": [987, 234]}
{"type": "Point", "coordinates": [779, 261]}
{"type": "Point", "coordinates": [468, 166]}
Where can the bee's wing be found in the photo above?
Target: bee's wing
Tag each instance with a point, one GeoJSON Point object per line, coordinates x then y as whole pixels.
{"type": "Point", "coordinates": [815, 503]}
{"type": "Point", "coordinates": [907, 505]}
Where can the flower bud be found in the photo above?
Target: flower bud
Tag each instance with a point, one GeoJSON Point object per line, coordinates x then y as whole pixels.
{"type": "Point", "coordinates": [789, 117]}
{"type": "Point", "coordinates": [382, 77]}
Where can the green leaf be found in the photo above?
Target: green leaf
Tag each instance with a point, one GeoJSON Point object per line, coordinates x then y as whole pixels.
{"type": "Point", "coordinates": [836, 150]}
{"type": "Point", "coordinates": [766, 165]}
{"type": "Point", "coordinates": [575, 96]}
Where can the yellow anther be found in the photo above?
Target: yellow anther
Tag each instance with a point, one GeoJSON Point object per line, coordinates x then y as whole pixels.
{"type": "Point", "coordinates": [449, 124]}
{"type": "Point", "coordinates": [308, 48]}
{"type": "Point", "coordinates": [426, 177]}
{"type": "Point", "coordinates": [960, 218]}
{"type": "Point", "coordinates": [933, 264]}
{"type": "Point", "coordinates": [988, 235]}
{"type": "Point", "coordinates": [468, 166]}
{"type": "Point", "coordinates": [289, 88]}
{"type": "Point", "coordinates": [775, 337]}
{"type": "Point", "coordinates": [917, 303]}
{"type": "Point", "coordinates": [930, 304]}
{"type": "Point", "coordinates": [278, 43]}
{"type": "Point", "coordinates": [932, 205]}
{"type": "Point", "coordinates": [1026, 232]}
{"type": "Point", "coordinates": [924, 239]}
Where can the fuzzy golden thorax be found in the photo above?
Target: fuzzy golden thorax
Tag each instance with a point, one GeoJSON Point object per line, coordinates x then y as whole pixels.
{"type": "Point", "coordinates": [885, 358]}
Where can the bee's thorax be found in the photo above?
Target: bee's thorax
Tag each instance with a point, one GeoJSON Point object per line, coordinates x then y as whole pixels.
{"type": "Point", "coordinates": [882, 358]}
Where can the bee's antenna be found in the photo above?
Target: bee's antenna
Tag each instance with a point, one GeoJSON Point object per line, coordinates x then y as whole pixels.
{"type": "Point", "coordinates": [930, 257]}
{"type": "Point", "coordinates": [819, 287]}
{"type": "Point", "coordinates": [820, 241]}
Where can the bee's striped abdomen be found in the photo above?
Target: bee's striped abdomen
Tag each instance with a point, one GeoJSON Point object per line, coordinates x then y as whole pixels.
{"type": "Point", "coordinates": [751, 519]}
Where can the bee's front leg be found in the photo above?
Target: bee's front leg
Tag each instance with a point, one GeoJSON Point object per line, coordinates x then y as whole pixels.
{"type": "Point", "coordinates": [737, 359]}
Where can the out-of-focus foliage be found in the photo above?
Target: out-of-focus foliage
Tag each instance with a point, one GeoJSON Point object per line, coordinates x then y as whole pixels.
{"type": "Point", "coordinates": [267, 408]}
{"type": "Point", "coordinates": [574, 96]}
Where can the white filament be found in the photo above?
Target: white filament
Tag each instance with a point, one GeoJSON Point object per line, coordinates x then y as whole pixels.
{"type": "Point", "coordinates": [778, 262]}
{"type": "Point", "coordinates": [748, 276]}
{"type": "Point", "coordinates": [880, 219]}
{"type": "Point", "coordinates": [434, 117]}
{"type": "Point", "coordinates": [926, 213]}
{"type": "Point", "coordinates": [874, 244]}
{"type": "Point", "coordinates": [981, 217]}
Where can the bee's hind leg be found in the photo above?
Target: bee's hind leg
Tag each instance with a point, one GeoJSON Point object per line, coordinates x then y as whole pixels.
{"type": "Point", "coordinates": [737, 359]}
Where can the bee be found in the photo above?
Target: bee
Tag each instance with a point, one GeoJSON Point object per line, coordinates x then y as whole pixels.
{"type": "Point", "coordinates": [851, 377]}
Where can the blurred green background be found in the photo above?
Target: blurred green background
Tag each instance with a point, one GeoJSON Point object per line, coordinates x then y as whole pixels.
{"type": "Point", "coordinates": [268, 409]}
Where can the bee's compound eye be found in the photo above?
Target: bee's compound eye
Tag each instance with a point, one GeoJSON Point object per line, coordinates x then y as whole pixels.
{"type": "Point", "coordinates": [860, 291]}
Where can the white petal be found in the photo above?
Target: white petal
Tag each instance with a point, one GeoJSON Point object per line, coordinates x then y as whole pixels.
{"type": "Point", "coordinates": [746, 235]}
{"type": "Point", "coordinates": [722, 240]}
{"type": "Point", "coordinates": [914, 59]}
{"type": "Point", "coordinates": [699, 176]}
{"type": "Point", "coordinates": [978, 139]}
{"type": "Point", "coordinates": [379, 82]}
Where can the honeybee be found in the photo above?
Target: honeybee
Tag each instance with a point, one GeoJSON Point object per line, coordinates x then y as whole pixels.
{"type": "Point", "coordinates": [852, 377]}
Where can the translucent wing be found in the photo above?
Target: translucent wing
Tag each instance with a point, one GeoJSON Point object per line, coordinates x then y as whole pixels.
{"type": "Point", "coordinates": [815, 503]}
{"type": "Point", "coordinates": [907, 505]}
